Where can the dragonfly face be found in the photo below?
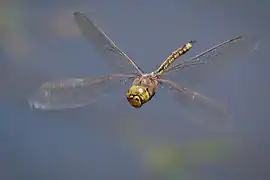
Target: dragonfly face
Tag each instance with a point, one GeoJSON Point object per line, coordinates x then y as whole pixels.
{"type": "Point", "coordinates": [137, 96]}
{"type": "Point", "coordinates": [142, 90]}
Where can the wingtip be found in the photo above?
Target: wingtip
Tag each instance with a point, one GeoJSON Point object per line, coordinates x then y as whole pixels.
{"type": "Point", "coordinates": [239, 37]}
{"type": "Point", "coordinates": [76, 13]}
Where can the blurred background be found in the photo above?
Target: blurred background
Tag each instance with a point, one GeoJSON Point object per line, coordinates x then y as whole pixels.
{"type": "Point", "coordinates": [40, 42]}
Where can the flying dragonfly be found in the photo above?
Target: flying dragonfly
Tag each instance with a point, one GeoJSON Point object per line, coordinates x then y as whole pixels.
{"type": "Point", "coordinates": [78, 92]}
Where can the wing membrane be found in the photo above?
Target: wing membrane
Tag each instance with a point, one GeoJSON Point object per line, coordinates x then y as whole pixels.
{"type": "Point", "coordinates": [74, 92]}
{"type": "Point", "coordinates": [211, 62]}
{"type": "Point", "coordinates": [198, 107]}
{"type": "Point", "coordinates": [103, 44]}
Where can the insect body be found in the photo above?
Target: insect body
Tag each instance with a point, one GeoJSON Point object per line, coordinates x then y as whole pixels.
{"type": "Point", "coordinates": [144, 87]}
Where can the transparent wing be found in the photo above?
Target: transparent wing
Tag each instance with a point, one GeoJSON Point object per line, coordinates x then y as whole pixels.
{"type": "Point", "coordinates": [75, 92]}
{"type": "Point", "coordinates": [197, 107]}
{"type": "Point", "coordinates": [213, 61]}
{"type": "Point", "coordinates": [103, 44]}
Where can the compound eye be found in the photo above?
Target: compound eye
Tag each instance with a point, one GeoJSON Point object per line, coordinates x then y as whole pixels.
{"type": "Point", "coordinates": [136, 98]}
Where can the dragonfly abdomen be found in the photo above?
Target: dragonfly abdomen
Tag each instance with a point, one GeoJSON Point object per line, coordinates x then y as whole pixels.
{"type": "Point", "coordinates": [173, 56]}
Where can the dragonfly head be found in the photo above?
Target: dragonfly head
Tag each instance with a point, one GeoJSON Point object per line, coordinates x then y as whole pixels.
{"type": "Point", "coordinates": [137, 96]}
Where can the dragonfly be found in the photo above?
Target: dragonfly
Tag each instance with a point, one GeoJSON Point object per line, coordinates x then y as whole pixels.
{"type": "Point", "coordinates": [77, 92]}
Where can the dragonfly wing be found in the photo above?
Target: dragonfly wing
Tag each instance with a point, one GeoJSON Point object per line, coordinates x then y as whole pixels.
{"type": "Point", "coordinates": [103, 44]}
{"type": "Point", "coordinates": [197, 107]}
{"type": "Point", "coordinates": [211, 63]}
{"type": "Point", "coordinates": [74, 92]}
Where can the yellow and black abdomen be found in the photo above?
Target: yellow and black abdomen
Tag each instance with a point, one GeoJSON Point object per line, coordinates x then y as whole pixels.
{"type": "Point", "coordinates": [174, 55]}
